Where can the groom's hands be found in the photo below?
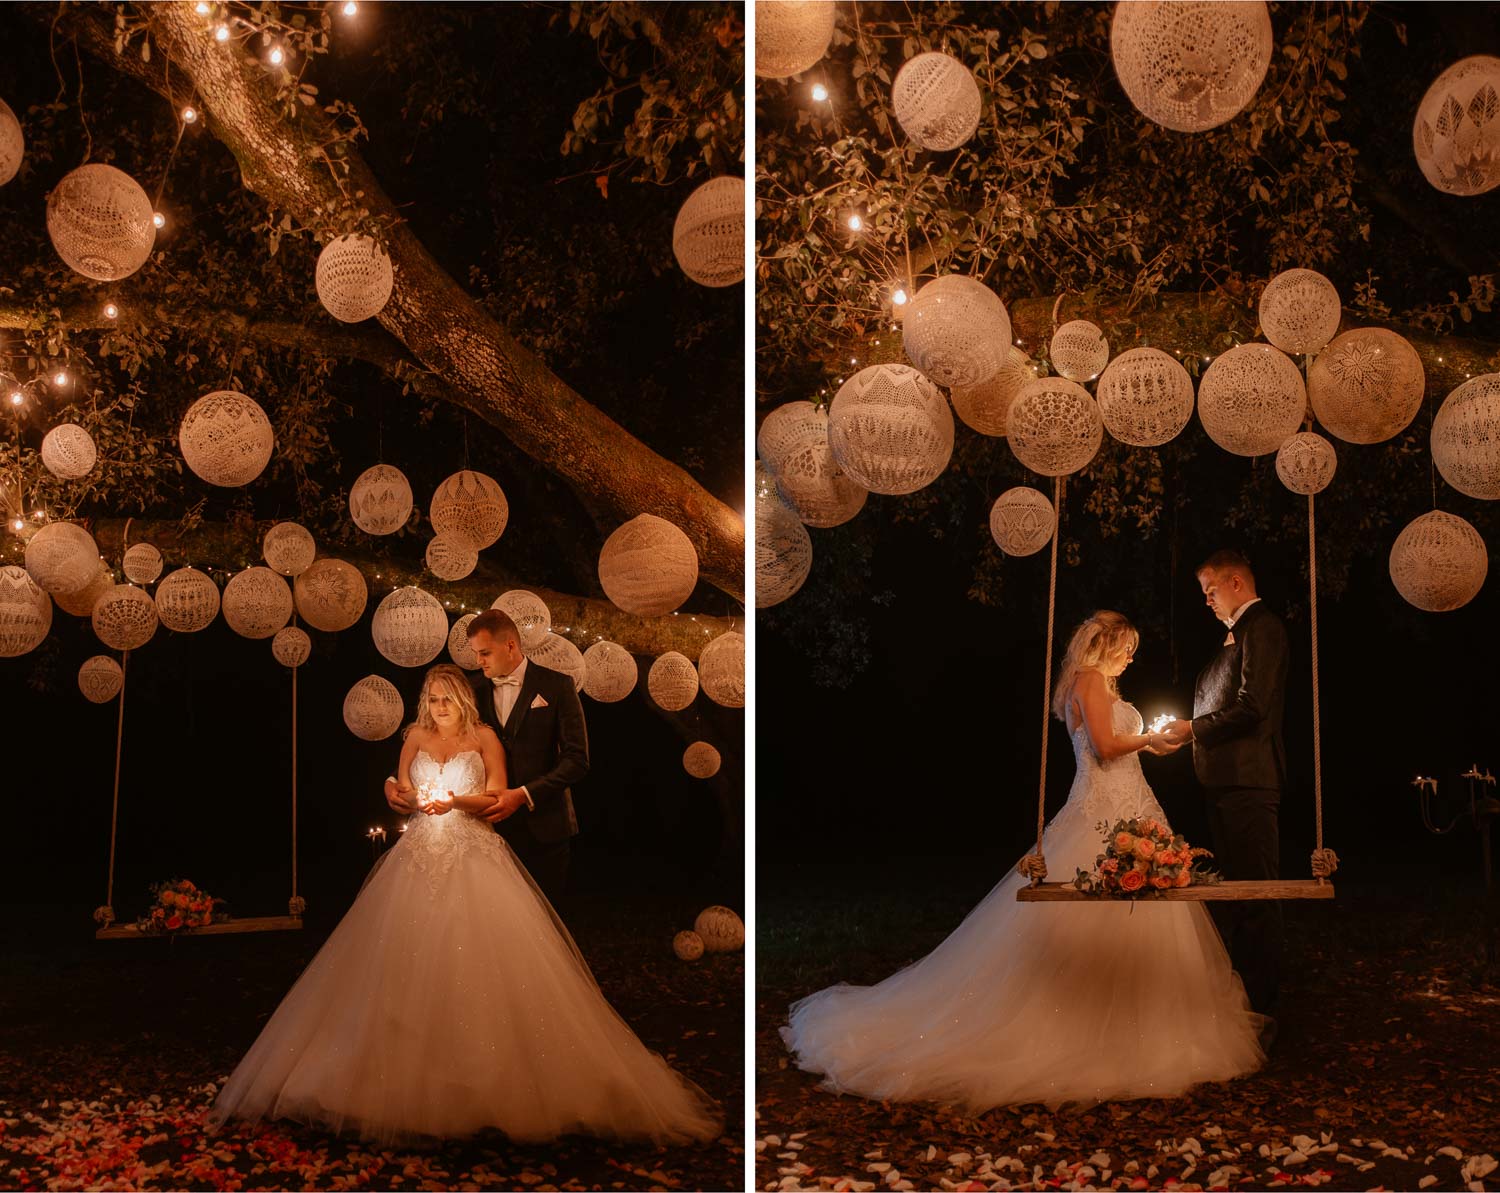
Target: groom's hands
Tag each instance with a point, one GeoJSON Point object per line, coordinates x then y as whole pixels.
{"type": "Point", "coordinates": [400, 797]}
{"type": "Point", "coordinates": [508, 803]}
{"type": "Point", "coordinates": [1179, 732]}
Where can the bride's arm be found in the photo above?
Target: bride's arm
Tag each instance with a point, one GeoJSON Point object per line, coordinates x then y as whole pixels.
{"type": "Point", "coordinates": [494, 775]}
{"type": "Point", "coordinates": [1098, 705]}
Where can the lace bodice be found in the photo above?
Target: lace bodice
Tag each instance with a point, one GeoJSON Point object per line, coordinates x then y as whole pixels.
{"type": "Point", "coordinates": [435, 843]}
{"type": "Point", "coordinates": [1114, 789]}
{"type": "Point", "coordinates": [463, 774]}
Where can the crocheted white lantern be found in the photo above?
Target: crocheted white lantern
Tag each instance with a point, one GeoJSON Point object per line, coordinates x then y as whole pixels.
{"type": "Point", "coordinates": [459, 649]}
{"type": "Point", "coordinates": [410, 627]}
{"type": "Point", "coordinates": [187, 601]}
{"type": "Point", "coordinates": [721, 670]}
{"type": "Point", "coordinates": [1456, 135]}
{"type": "Point", "coordinates": [721, 929]}
{"type": "Point", "coordinates": [257, 602]}
{"type": "Point", "coordinates": [530, 613]}
{"type": "Point", "coordinates": [380, 501]}
{"type": "Point", "coordinates": [472, 506]}
{"type": "Point", "coordinates": [68, 452]}
{"type": "Point", "coordinates": [1367, 385]}
{"type": "Point", "coordinates": [793, 441]}
{"type": "Point", "coordinates": [1079, 350]}
{"type": "Point", "coordinates": [783, 550]}
{"type": "Point", "coordinates": [689, 945]}
{"type": "Point", "coordinates": [1466, 437]}
{"type": "Point", "coordinates": [556, 653]}
{"type": "Point", "coordinates": [291, 646]}
{"type": "Point", "coordinates": [451, 557]}
{"type": "Point", "coordinates": [1438, 563]}
{"type": "Point", "coordinates": [125, 617]}
{"type": "Point", "coordinates": [648, 566]}
{"type": "Point", "coordinates": [373, 709]}
{"type": "Point", "coordinates": [672, 681]}
{"type": "Point", "coordinates": [354, 278]}
{"type": "Point", "coordinates": [701, 760]}
{"type": "Point", "coordinates": [25, 612]}
{"type": "Point", "coordinates": [611, 672]}
{"type": "Point", "coordinates": [936, 101]}
{"type": "Point", "coordinates": [226, 438]}
{"type": "Point", "coordinates": [289, 548]}
{"type": "Point", "coordinates": [957, 331]}
{"type": "Point", "coordinates": [13, 142]}
{"type": "Point", "coordinates": [1190, 65]}
{"type": "Point", "coordinates": [1300, 310]}
{"type": "Point", "coordinates": [62, 557]}
{"type": "Point", "coordinates": [1251, 400]}
{"type": "Point", "coordinates": [789, 428]}
{"type": "Point", "coordinates": [1306, 462]}
{"type": "Point", "coordinates": [986, 407]}
{"type": "Point", "coordinates": [80, 603]}
{"type": "Point", "coordinates": [790, 36]}
{"type": "Point", "coordinates": [1055, 426]}
{"type": "Point", "coordinates": [890, 429]}
{"type": "Point", "coordinates": [708, 237]}
{"type": "Point", "coordinates": [1145, 397]}
{"type": "Point", "coordinates": [101, 222]}
{"type": "Point", "coordinates": [1022, 521]}
{"type": "Point", "coordinates": [330, 595]}
{"type": "Point", "coordinates": [100, 679]}
{"type": "Point", "coordinates": [141, 564]}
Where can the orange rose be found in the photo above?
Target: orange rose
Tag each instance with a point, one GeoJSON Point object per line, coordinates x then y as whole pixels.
{"type": "Point", "coordinates": [1144, 847]}
{"type": "Point", "coordinates": [1160, 881]}
{"type": "Point", "coordinates": [174, 922]}
{"type": "Point", "coordinates": [1124, 842]}
{"type": "Point", "coordinates": [1111, 865]}
{"type": "Point", "coordinates": [1185, 877]}
{"type": "Point", "coordinates": [1132, 880]}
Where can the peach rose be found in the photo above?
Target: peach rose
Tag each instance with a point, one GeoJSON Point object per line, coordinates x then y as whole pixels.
{"type": "Point", "coordinates": [1111, 865]}
{"type": "Point", "coordinates": [174, 922]}
{"type": "Point", "coordinates": [1185, 877]}
{"type": "Point", "coordinates": [1144, 847]}
{"type": "Point", "coordinates": [1160, 881]}
{"type": "Point", "coordinates": [1124, 842]}
{"type": "Point", "coordinates": [1132, 880]}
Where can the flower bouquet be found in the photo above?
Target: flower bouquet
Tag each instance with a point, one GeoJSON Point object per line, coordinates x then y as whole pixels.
{"type": "Point", "coordinates": [1141, 856]}
{"type": "Point", "coordinates": [179, 905]}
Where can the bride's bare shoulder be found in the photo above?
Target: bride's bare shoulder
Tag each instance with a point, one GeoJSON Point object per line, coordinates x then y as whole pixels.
{"type": "Point", "coordinates": [486, 736]}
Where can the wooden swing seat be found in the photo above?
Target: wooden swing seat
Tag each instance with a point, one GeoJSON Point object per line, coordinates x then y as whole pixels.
{"type": "Point", "coordinates": [264, 923]}
{"type": "Point", "coordinates": [1290, 888]}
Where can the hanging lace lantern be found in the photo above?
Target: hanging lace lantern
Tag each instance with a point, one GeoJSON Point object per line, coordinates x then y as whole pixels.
{"type": "Point", "coordinates": [289, 548]}
{"type": "Point", "coordinates": [354, 278]}
{"type": "Point", "coordinates": [101, 222]}
{"type": "Point", "coordinates": [451, 557]}
{"type": "Point", "coordinates": [986, 407]}
{"type": "Point", "coordinates": [956, 331]}
{"type": "Point", "coordinates": [1466, 437]}
{"type": "Point", "coordinates": [330, 595]}
{"type": "Point", "coordinates": [1022, 521]}
{"type": "Point", "coordinates": [125, 617]}
{"type": "Point", "coordinates": [291, 646]}
{"type": "Point", "coordinates": [226, 438]}
{"type": "Point", "coordinates": [789, 428]}
{"type": "Point", "coordinates": [708, 237]}
{"type": "Point", "coordinates": [62, 557]}
{"type": "Point", "coordinates": [783, 550]}
{"type": "Point", "coordinates": [410, 627]}
{"type": "Point", "coordinates": [793, 440]}
{"type": "Point", "coordinates": [1367, 385]}
{"type": "Point", "coordinates": [1191, 65]}
{"type": "Point", "coordinates": [68, 452]}
{"type": "Point", "coordinates": [689, 945]}
{"type": "Point", "coordinates": [556, 653]}
{"type": "Point", "coordinates": [721, 670]}
{"type": "Point", "coordinates": [373, 709]}
{"type": "Point", "coordinates": [100, 679]}
{"type": "Point", "coordinates": [890, 429]}
{"type": "Point", "coordinates": [936, 101]}
{"type": "Point", "coordinates": [1306, 462]}
{"type": "Point", "coordinates": [701, 760]}
{"type": "Point", "coordinates": [25, 612]}
{"type": "Point", "coordinates": [141, 564]}
{"type": "Point", "coordinates": [1145, 397]}
{"type": "Point", "coordinates": [459, 649]}
{"type": "Point", "coordinates": [380, 501]}
{"type": "Point", "coordinates": [1456, 135]}
{"type": "Point", "coordinates": [611, 672]}
{"type": "Point", "coordinates": [257, 602]}
{"type": "Point", "coordinates": [648, 566]}
{"type": "Point", "coordinates": [13, 142]}
{"type": "Point", "coordinates": [1079, 350]}
{"type": "Point", "coordinates": [721, 929]}
{"type": "Point", "coordinates": [529, 612]}
{"type": "Point", "coordinates": [1300, 310]}
{"type": "Point", "coordinates": [472, 506]}
{"type": "Point", "coordinates": [672, 681]}
{"type": "Point", "coordinates": [790, 36]}
{"type": "Point", "coordinates": [187, 601]}
{"type": "Point", "coordinates": [80, 603]}
{"type": "Point", "coordinates": [1438, 563]}
{"type": "Point", "coordinates": [1055, 426]}
{"type": "Point", "coordinates": [1251, 400]}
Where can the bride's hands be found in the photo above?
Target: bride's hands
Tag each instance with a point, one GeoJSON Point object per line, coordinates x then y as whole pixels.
{"type": "Point", "coordinates": [439, 806]}
{"type": "Point", "coordinates": [1161, 745]}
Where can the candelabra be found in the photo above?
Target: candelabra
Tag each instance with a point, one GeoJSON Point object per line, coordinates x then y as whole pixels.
{"type": "Point", "coordinates": [376, 838]}
{"type": "Point", "coordinates": [1482, 809]}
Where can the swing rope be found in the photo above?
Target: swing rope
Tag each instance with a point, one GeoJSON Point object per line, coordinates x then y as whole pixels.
{"type": "Point", "coordinates": [1324, 861]}
{"type": "Point", "coordinates": [1034, 865]}
{"type": "Point", "coordinates": [296, 905]}
{"type": "Point", "coordinates": [105, 916]}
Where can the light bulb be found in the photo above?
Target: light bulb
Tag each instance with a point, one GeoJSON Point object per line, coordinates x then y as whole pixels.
{"type": "Point", "coordinates": [60, 378]}
{"type": "Point", "coordinates": [18, 524]}
{"type": "Point", "coordinates": [277, 57]}
{"type": "Point", "coordinates": [16, 398]}
{"type": "Point", "coordinates": [899, 298]}
{"type": "Point", "coordinates": [350, 8]}
{"type": "Point", "coordinates": [201, 8]}
{"type": "Point", "coordinates": [158, 219]}
{"type": "Point", "coordinates": [819, 92]}
{"type": "Point", "coordinates": [111, 311]}
{"type": "Point", "coordinates": [189, 115]}
{"type": "Point", "coordinates": [855, 223]}
{"type": "Point", "coordinates": [221, 33]}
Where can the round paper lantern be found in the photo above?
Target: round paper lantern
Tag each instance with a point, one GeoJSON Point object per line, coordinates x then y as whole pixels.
{"type": "Point", "coordinates": [141, 564]}
{"type": "Point", "coordinates": [936, 101]}
{"type": "Point", "coordinates": [789, 428]}
{"type": "Point", "coordinates": [101, 222]}
{"type": "Point", "coordinates": [471, 506]}
{"type": "Point", "coordinates": [62, 557]}
{"type": "Point", "coordinates": [610, 672]}
{"type": "Point", "coordinates": [451, 557]}
{"type": "Point", "coordinates": [1251, 400]}
{"type": "Point", "coordinates": [100, 679]}
{"type": "Point", "coordinates": [790, 36]}
{"type": "Point", "coordinates": [986, 407]}
{"type": "Point", "coordinates": [291, 646]}
{"type": "Point", "coordinates": [708, 237]}
{"type": "Point", "coordinates": [689, 945]}
{"type": "Point", "coordinates": [68, 452]}
{"type": "Point", "coordinates": [1300, 310]}
{"type": "Point", "coordinates": [1305, 463]}
{"type": "Point", "coordinates": [701, 760]}
{"type": "Point", "coordinates": [956, 331]}
{"type": "Point", "coordinates": [1438, 563]}
{"type": "Point", "coordinates": [330, 595]}
{"type": "Point", "coordinates": [226, 438]}
{"type": "Point", "coordinates": [125, 617]}
{"type": "Point", "coordinates": [1055, 426]}
{"type": "Point", "coordinates": [373, 709]}
{"type": "Point", "coordinates": [459, 649]}
{"type": "Point", "coordinates": [783, 550]}
{"type": "Point", "coordinates": [1191, 65]}
{"type": "Point", "coordinates": [648, 566]}
{"type": "Point", "coordinates": [1465, 438]}
{"type": "Point", "coordinates": [1367, 385]}
{"type": "Point", "coordinates": [1079, 350]}
{"type": "Point", "coordinates": [410, 627]}
{"type": "Point", "coordinates": [890, 429]}
{"type": "Point", "coordinates": [187, 601]}
{"type": "Point", "coordinates": [721, 670]}
{"type": "Point", "coordinates": [80, 603]}
{"type": "Point", "coordinates": [556, 653]}
{"type": "Point", "coordinates": [721, 929]}
{"type": "Point", "coordinates": [672, 681]}
{"type": "Point", "coordinates": [13, 142]}
{"type": "Point", "coordinates": [380, 501]}
{"type": "Point", "coordinates": [25, 612]}
{"type": "Point", "coordinates": [1456, 135]}
{"type": "Point", "coordinates": [793, 440]}
{"type": "Point", "coordinates": [1145, 397]}
{"type": "Point", "coordinates": [354, 278]}
{"type": "Point", "coordinates": [258, 602]}
{"type": "Point", "coordinates": [530, 613]}
{"type": "Point", "coordinates": [289, 548]}
{"type": "Point", "coordinates": [1022, 521]}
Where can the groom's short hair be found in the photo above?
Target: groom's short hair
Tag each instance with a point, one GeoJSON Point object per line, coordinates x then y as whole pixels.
{"type": "Point", "coordinates": [497, 623]}
{"type": "Point", "coordinates": [1227, 559]}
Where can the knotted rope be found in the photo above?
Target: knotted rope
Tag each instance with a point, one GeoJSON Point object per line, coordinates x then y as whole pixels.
{"type": "Point", "coordinates": [1034, 866]}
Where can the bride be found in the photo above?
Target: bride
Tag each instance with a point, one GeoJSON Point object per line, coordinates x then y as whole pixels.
{"type": "Point", "coordinates": [1051, 1002]}
{"type": "Point", "coordinates": [451, 998]}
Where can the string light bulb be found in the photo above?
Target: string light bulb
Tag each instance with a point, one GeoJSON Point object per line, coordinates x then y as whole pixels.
{"type": "Point", "coordinates": [855, 223]}
{"type": "Point", "coordinates": [158, 219]}
{"type": "Point", "coordinates": [60, 378]}
{"type": "Point", "coordinates": [350, 8]}
{"type": "Point", "coordinates": [277, 56]}
{"type": "Point", "coordinates": [18, 525]}
{"type": "Point", "coordinates": [201, 8]}
{"type": "Point", "coordinates": [819, 92]}
{"type": "Point", "coordinates": [221, 33]}
{"type": "Point", "coordinates": [111, 311]}
{"type": "Point", "coordinates": [899, 297]}
{"type": "Point", "coordinates": [190, 115]}
{"type": "Point", "coordinates": [17, 397]}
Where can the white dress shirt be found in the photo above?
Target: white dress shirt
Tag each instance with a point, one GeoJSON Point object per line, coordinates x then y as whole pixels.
{"type": "Point", "coordinates": [506, 695]}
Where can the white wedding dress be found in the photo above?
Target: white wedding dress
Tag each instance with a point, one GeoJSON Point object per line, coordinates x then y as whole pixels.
{"type": "Point", "coordinates": [1046, 1002]}
{"type": "Point", "coordinates": [451, 999]}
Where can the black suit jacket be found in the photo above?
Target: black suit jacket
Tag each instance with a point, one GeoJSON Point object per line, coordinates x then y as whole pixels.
{"type": "Point", "coordinates": [1238, 706]}
{"type": "Point", "coordinates": [546, 751]}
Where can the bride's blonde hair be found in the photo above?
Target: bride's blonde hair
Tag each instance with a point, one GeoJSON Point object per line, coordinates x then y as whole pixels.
{"type": "Point", "coordinates": [1104, 637]}
{"type": "Point", "coordinates": [453, 683]}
